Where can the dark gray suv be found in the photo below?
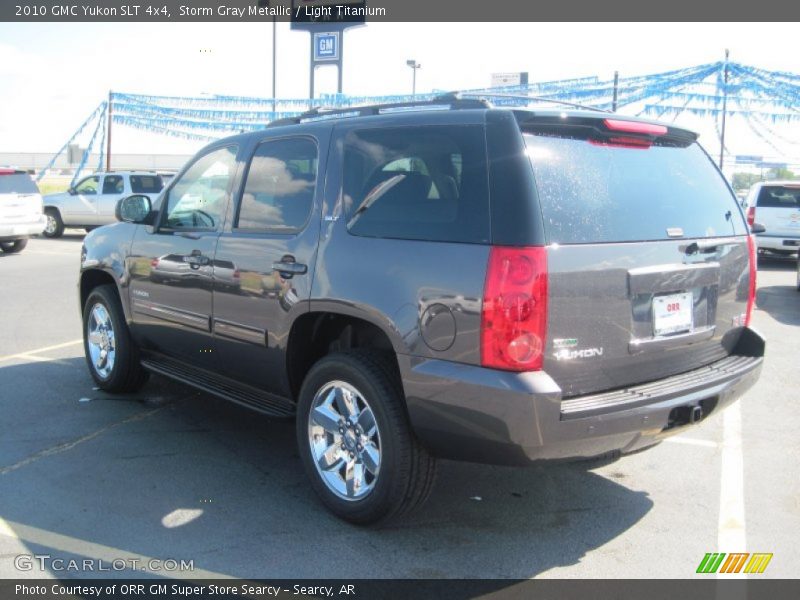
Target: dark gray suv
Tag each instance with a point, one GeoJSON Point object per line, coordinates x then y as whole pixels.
{"type": "Point", "coordinates": [440, 279]}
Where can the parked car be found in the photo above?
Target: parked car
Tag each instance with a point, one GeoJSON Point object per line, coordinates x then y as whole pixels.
{"type": "Point", "coordinates": [776, 206]}
{"type": "Point", "coordinates": [92, 200]}
{"type": "Point", "coordinates": [21, 213]}
{"type": "Point", "coordinates": [609, 271]}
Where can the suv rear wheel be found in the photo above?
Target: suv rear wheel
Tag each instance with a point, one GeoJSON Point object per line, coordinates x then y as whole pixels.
{"type": "Point", "coordinates": [55, 226]}
{"type": "Point", "coordinates": [111, 354]}
{"type": "Point", "coordinates": [355, 441]}
{"type": "Point", "coordinates": [13, 247]}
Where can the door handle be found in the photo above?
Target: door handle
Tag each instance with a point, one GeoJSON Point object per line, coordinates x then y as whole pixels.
{"type": "Point", "coordinates": [288, 268]}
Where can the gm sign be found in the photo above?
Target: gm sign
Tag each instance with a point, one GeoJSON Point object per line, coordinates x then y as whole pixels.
{"type": "Point", "coordinates": [326, 46]}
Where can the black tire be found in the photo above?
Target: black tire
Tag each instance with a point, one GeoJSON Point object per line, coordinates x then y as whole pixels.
{"type": "Point", "coordinates": [58, 229]}
{"type": "Point", "coordinates": [13, 247]}
{"type": "Point", "coordinates": [407, 471]}
{"type": "Point", "coordinates": [798, 273]}
{"type": "Point", "coordinates": [126, 374]}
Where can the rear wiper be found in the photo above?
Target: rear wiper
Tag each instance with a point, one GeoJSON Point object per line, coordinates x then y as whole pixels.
{"type": "Point", "coordinates": [377, 192]}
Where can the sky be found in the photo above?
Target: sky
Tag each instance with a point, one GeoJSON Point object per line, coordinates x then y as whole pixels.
{"type": "Point", "coordinates": [53, 75]}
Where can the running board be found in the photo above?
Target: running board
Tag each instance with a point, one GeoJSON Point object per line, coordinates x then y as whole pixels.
{"type": "Point", "coordinates": [264, 402]}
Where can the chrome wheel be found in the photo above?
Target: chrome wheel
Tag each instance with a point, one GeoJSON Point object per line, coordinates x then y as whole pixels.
{"type": "Point", "coordinates": [100, 340]}
{"type": "Point", "coordinates": [344, 440]}
{"type": "Point", "coordinates": [51, 226]}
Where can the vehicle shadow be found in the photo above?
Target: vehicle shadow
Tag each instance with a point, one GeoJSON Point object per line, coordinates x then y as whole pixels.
{"type": "Point", "coordinates": [782, 302]}
{"type": "Point", "coordinates": [69, 235]}
{"type": "Point", "coordinates": [173, 473]}
{"type": "Point", "coordinates": [771, 262]}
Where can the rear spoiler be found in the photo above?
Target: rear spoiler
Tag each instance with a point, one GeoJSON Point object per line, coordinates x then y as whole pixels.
{"type": "Point", "coordinates": [602, 127]}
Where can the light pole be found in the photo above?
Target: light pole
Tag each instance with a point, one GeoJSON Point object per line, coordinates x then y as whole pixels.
{"type": "Point", "coordinates": [414, 66]}
{"type": "Point", "coordinates": [274, 61]}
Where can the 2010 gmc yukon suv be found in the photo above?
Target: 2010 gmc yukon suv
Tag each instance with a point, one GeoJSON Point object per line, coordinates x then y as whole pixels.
{"type": "Point", "coordinates": [442, 279]}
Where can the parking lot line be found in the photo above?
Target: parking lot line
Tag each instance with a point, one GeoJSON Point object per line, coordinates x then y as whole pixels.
{"type": "Point", "coordinates": [70, 445]}
{"type": "Point", "coordinates": [732, 534]}
{"type": "Point", "coordinates": [40, 350]}
{"type": "Point", "coordinates": [107, 554]}
{"type": "Point", "coordinates": [46, 359]}
{"type": "Point", "coordinates": [691, 441]}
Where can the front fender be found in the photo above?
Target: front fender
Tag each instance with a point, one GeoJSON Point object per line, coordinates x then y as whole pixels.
{"type": "Point", "coordinates": [106, 250]}
{"type": "Point", "coordinates": [54, 201]}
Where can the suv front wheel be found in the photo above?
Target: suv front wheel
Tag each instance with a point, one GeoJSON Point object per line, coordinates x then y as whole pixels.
{"type": "Point", "coordinates": [111, 354]}
{"type": "Point", "coordinates": [355, 441]}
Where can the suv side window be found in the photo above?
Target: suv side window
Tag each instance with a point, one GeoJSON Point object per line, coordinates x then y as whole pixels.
{"type": "Point", "coordinates": [279, 186]}
{"type": "Point", "coordinates": [113, 184]}
{"type": "Point", "coordinates": [417, 183]}
{"type": "Point", "coordinates": [88, 186]}
{"type": "Point", "coordinates": [198, 199]}
{"type": "Point", "coordinates": [146, 184]}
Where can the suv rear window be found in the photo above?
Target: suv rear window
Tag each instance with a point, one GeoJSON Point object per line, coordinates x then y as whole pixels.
{"type": "Point", "coordinates": [17, 183]}
{"type": "Point", "coordinates": [591, 193]}
{"type": "Point", "coordinates": [146, 184]}
{"type": "Point", "coordinates": [775, 196]}
{"type": "Point", "coordinates": [417, 183]}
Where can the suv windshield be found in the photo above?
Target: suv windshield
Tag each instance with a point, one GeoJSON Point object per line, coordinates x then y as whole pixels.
{"type": "Point", "coordinates": [18, 183]}
{"type": "Point", "coordinates": [779, 196]}
{"type": "Point", "coordinates": [591, 193]}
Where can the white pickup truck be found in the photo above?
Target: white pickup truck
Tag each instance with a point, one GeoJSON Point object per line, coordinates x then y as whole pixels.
{"type": "Point", "coordinates": [776, 206]}
{"type": "Point", "coordinates": [91, 202]}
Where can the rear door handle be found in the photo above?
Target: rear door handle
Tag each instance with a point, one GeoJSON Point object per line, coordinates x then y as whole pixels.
{"type": "Point", "coordinates": [706, 246]}
{"type": "Point", "coordinates": [288, 268]}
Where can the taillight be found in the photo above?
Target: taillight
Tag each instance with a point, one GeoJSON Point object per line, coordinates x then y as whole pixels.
{"type": "Point", "coordinates": [634, 127]}
{"type": "Point", "coordinates": [236, 274]}
{"type": "Point", "coordinates": [514, 315]}
{"type": "Point", "coordinates": [154, 263]}
{"type": "Point", "coordinates": [751, 215]}
{"type": "Point", "coordinates": [751, 295]}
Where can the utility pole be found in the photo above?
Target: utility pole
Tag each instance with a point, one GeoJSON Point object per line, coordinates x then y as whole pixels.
{"type": "Point", "coordinates": [108, 138]}
{"type": "Point", "coordinates": [724, 113]}
{"type": "Point", "coordinates": [616, 87]}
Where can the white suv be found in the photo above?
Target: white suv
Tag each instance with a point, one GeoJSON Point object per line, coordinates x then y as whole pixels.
{"type": "Point", "coordinates": [91, 202]}
{"type": "Point", "coordinates": [21, 213]}
{"type": "Point", "coordinates": [776, 206]}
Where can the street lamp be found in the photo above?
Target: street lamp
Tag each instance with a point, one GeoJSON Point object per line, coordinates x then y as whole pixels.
{"type": "Point", "coordinates": [414, 66]}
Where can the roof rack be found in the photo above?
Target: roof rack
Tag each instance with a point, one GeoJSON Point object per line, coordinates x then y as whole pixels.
{"type": "Point", "coordinates": [449, 101]}
{"type": "Point", "coordinates": [532, 99]}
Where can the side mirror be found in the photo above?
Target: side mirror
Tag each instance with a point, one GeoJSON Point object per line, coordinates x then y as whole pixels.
{"type": "Point", "coordinates": [757, 228]}
{"type": "Point", "coordinates": [71, 191]}
{"type": "Point", "coordinates": [133, 209]}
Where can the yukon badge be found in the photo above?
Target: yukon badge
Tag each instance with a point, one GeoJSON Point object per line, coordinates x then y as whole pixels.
{"type": "Point", "coordinates": [566, 349]}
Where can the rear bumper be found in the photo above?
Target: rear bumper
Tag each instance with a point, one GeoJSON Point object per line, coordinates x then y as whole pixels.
{"type": "Point", "coordinates": [785, 243]}
{"type": "Point", "coordinates": [16, 231]}
{"type": "Point", "coordinates": [464, 412]}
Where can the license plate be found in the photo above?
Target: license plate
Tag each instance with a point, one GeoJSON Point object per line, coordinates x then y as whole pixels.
{"type": "Point", "coordinates": [673, 313]}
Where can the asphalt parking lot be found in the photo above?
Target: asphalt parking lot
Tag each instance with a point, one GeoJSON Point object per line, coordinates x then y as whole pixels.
{"type": "Point", "coordinates": [170, 473]}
